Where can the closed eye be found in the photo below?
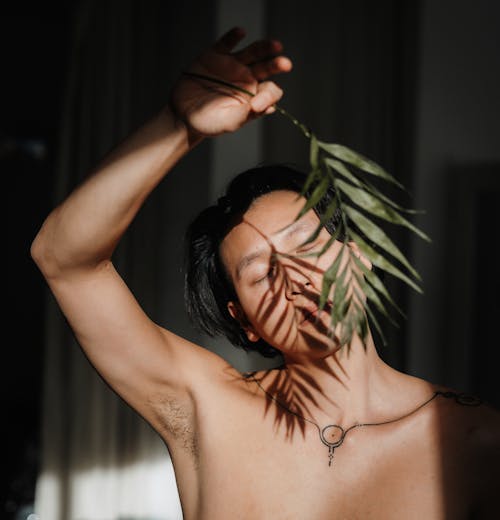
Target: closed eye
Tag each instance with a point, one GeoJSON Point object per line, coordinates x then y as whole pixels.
{"type": "Point", "coordinates": [271, 273]}
{"type": "Point", "coordinates": [307, 247]}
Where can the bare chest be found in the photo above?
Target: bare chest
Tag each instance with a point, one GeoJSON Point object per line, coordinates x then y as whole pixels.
{"type": "Point", "coordinates": [255, 465]}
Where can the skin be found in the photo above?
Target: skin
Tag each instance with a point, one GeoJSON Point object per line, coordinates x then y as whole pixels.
{"type": "Point", "coordinates": [236, 453]}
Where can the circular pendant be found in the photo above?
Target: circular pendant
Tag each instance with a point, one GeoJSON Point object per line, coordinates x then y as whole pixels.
{"type": "Point", "coordinates": [332, 435]}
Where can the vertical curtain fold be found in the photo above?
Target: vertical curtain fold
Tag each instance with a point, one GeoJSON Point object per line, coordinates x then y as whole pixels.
{"type": "Point", "coordinates": [100, 460]}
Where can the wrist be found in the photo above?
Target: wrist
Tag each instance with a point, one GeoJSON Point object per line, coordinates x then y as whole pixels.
{"type": "Point", "coordinates": [180, 124]}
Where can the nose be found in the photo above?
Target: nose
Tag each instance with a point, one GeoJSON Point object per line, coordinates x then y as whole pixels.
{"type": "Point", "coordinates": [297, 285]}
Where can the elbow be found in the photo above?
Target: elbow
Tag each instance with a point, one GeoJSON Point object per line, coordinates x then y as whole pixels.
{"type": "Point", "coordinates": [35, 250]}
{"type": "Point", "coordinates": [43, 249]}
{"type": "Point", "coordinates": [39, 252]}
{"type": "Point", "coordinates": [58, 255]}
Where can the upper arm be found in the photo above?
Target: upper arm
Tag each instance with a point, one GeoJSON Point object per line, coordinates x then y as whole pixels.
{"type": "Point", "coordinates": [140, 360]}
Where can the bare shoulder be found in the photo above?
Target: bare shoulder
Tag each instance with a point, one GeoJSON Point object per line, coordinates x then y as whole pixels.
{"type": "Point", "coordinates": [480, 418]}
{"type": "Point", "coordinates": [477, 420]}
{"type": "Point", "coordinates": [471, 429]}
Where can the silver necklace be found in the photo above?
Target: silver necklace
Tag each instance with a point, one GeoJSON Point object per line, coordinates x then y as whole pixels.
{"type": "Point", "coordinates": [333, 435]}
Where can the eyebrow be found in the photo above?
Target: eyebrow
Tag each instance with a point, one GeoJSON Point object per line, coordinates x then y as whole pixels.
{"type": "Point", "coordinates": [247, 260]}
{"type": "Point", "coordinates": [287, 233]}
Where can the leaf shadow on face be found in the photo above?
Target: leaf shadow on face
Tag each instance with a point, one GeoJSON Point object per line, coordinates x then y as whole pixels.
{"type": "Point", "coordinates": [291, 393]}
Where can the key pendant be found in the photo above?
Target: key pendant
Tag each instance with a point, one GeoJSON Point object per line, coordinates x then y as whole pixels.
{"type": "Point", "coordinates": [330, 455]}
{"type": "Point", "coordinates": [332, 436]}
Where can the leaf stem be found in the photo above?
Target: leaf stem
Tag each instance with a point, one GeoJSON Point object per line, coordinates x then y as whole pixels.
{"type": "Point", "coordinates": [219, 81]}
{"type": "Point", "coordinates": [294, 120]}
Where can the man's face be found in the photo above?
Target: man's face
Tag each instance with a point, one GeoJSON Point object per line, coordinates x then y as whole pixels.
{"type": "Point", "coordinates": [278, 291]}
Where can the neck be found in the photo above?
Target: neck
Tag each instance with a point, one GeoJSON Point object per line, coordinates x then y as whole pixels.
{"type": "Point", "coordinates": [352, 385]}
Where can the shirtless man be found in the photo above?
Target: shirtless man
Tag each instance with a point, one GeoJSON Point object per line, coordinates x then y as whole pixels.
{"type": "Point", "coordinates": [251, 447]}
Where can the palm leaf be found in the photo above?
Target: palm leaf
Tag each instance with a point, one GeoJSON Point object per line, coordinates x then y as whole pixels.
{"type": "Point", "coordinates": [340, 168]}
{"type": "Point", "coordinates": [378, 236]}
{"type": "Point", "coordinates": [317, 194]}
{"type": "Point", "coordinates": [356, 159]}
{"type": "Point", "coordinates": [378, 260]}
{"type": "Point", "coordinates": [374, 281]}
{"type": "Point", "coordinates": [329, 277]}
{"type": "Point", "coordinates": [368, 202]}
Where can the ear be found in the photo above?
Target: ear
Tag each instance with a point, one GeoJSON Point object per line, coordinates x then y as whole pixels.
{"type": "Point", "coordinates": [236, 312]}
{"type": "Point", "coordinates": [358, 253]}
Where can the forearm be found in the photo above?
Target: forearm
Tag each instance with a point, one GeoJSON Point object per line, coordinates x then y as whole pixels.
{"type": "Point", "coordinates": [84, 230]}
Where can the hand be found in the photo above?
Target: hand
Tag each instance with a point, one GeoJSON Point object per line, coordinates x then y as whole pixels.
{"type": "Point", "coordinates": [209, 109]}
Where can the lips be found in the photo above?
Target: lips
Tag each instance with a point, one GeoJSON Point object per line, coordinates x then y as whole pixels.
{"type": "Point", "coordinates": [310, 312]}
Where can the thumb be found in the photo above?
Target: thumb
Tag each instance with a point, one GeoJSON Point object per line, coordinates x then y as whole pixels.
{"type": "Point", "coordinates": [268, 93]}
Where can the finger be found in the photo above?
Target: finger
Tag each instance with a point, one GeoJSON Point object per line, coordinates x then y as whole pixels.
{"type": "Point", "coordinates": [258, 51]}
{"type": "Point", "coordinates": [264, 69]}
{"type": "Point", "coordinates": [229, 40]}
{"type": "Point", "coordinates": [268, 93]}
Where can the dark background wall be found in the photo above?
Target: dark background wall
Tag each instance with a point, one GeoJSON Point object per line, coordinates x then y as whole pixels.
{"type": "Point", "coordinates": [452, 334]}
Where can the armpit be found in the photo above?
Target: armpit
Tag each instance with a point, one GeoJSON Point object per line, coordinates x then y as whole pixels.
{"type": "Point", "coordinates": [175, 418]}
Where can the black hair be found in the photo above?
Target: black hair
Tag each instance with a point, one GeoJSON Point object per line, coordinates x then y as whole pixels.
{"type": "Point", "coordinates": [207, 286]}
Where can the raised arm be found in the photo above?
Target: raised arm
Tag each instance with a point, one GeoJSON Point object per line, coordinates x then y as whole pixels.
{"type": "Point", "coordinates": [74, 247]}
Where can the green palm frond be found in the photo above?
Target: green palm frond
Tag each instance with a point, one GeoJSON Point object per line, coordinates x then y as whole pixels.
{"type": "Point", "coordinates": [348, 284]}
{"type": "Point", "coordinates": [357, 289]}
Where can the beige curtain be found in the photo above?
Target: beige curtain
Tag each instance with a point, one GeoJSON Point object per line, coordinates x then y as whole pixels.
{"type": "Point", "coordinates": [100, 460]}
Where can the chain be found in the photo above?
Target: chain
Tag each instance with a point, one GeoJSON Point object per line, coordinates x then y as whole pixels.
{"type": "Point", "coordinates": [463, 399]}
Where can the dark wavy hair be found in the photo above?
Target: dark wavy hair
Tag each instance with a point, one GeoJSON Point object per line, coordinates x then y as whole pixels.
{"type": "Point", "coordinates": [207, 286]}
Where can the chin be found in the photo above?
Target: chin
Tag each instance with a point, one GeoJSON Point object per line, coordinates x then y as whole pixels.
{"type": "Point", "coordinates": [317, 345]}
